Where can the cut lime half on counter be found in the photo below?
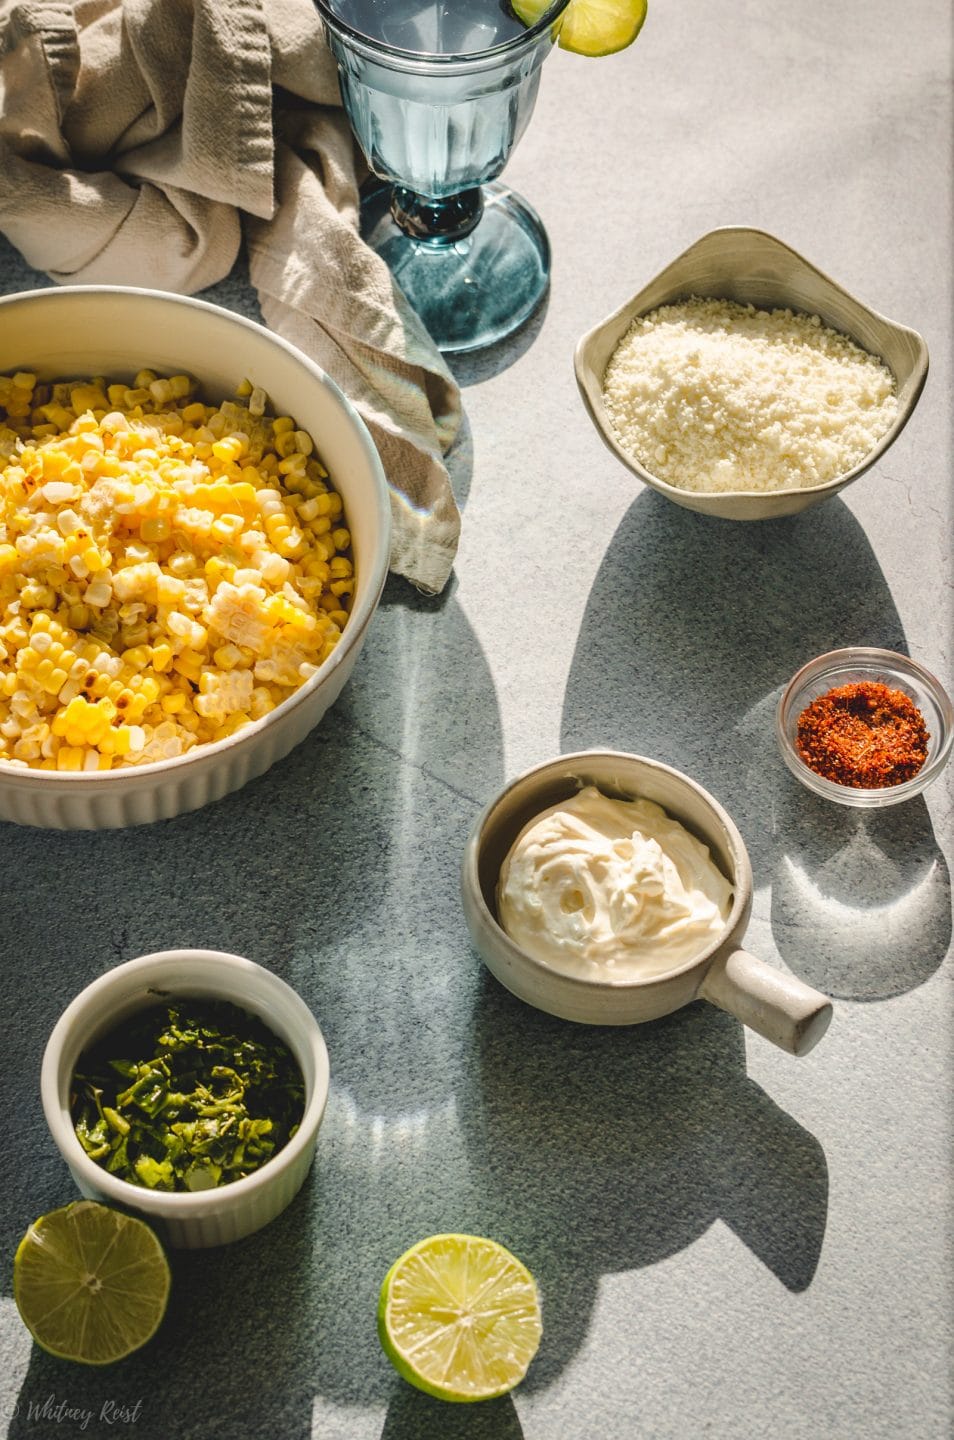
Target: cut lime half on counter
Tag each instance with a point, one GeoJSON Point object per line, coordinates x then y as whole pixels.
{"type": "Point", "coordinates": [590, 27]}
{"type": "Point", "coordinates": [459, 1317]}
{"type": "Point", "coordinates": [90, 1283]}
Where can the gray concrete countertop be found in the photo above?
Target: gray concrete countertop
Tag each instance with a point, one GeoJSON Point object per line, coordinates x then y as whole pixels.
{"type": "Point", "coordinates": [730, 1243]}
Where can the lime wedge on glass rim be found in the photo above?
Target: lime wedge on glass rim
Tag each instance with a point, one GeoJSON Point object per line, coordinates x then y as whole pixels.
{"type": "Point", "coordinates": [590, 27]}
{"type": "Point", "coordinates": [90, 1283]}
{"type": "Point", "coordinates": [459, 1317]}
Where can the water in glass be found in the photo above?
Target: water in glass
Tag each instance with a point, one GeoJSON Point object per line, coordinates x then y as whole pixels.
{"type": "Point", "coordinates": [437, 128]}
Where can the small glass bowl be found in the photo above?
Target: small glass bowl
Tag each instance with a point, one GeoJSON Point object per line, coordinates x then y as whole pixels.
{"type": "Point", "coordinates": [843, 667]}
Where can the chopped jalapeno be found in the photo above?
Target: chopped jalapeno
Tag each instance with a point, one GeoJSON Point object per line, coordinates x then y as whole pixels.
{"type": "Point", "coordinates": [186, 1096]}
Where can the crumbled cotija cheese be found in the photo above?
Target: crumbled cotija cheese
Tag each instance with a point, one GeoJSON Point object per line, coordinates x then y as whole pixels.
{"type": "Point", "coordinates": [712, 395]}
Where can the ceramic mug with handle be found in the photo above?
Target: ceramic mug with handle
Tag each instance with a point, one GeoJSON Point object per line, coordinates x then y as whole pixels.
{"type": "Point", "coordinates": [777, 1005]}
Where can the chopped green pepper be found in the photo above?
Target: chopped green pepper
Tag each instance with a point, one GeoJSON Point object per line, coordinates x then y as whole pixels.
{"type": "Point", "coordinates": [187, 1096]}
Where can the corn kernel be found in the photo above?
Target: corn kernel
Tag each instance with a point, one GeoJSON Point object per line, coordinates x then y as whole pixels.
{"type": "Point", "coordinates": [226, 657]}
{"type": "Point", "coordinates": [116, 742]}
{"type": "Point", "coordinates": [292, 466]}
{"type": "Point", "coordinates": [157, 601]}
{"type": "Point", "coordinates": [226, 528]}
{"type": "Point", "coordinates": [88, 397]}
{"type": "Point", "coordinates": [155, 528]}
{"type": "Point", "coordinates": [99, 593]}
{"type": "Point", "coordinates": [189, 664]}
{"type": "Point", "coordinates": [230, 448]}
{"type": "Point", "coordinates": [162, 655]}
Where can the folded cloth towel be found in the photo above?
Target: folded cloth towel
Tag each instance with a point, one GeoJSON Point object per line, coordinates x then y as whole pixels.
{"type": "Point", "coordinates": [143, 138]}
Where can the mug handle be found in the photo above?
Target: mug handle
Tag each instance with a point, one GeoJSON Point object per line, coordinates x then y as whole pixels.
{"type": "Point", "coordinates": [776, 1005]}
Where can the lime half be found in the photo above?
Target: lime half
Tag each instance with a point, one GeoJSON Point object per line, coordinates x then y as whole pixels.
{"type": "Point", "coordinates": [590, 27]}
{"type": "Point", "coordinates": [91, 1283]}
{"type": "Point", "coordinates": [459, 1317]}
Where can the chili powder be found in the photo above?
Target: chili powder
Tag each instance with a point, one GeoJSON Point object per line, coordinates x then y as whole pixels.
{"type": "Point", "coordinates": [864, 734]}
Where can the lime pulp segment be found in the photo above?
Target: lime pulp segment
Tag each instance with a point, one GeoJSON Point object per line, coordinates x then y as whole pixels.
{"type": "Point", "coordinates": [459, 1317]}
{"type": "Point", "coordinates": [91, 1283]}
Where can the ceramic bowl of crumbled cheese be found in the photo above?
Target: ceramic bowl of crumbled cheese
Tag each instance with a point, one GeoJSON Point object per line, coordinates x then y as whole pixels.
{"type": "Point", "coordinates": [744, 383]}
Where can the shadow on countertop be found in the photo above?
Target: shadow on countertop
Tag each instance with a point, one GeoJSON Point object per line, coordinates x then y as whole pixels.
{"type": "Point", "coordinates": [589, 1151]}
{"type": "Point", "coordinates": [230, 1358]}
{"type": "Point", "coordinates": [692, 630]}
{"type": "Point", "coordinates": [861, 900]}
{"type": "Point", "coordinates": [453, 1106]}
{"type": "Point", "coordinates": [415, 1416]}
{"type": "Point", "coordinates": [339, 871]}
{"type": "Point", "coordinates": [607, 1149]}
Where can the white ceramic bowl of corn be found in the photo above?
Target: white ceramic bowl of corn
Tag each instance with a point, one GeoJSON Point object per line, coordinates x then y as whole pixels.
{"type": "Point", "coordinates": [112, 333]}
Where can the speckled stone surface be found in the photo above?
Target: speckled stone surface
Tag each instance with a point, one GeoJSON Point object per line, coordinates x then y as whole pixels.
{"type": "Point", "coordinates": [730, 1243]}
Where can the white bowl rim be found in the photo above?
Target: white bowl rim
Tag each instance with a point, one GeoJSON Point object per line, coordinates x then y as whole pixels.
{"type": "Point", "coordinates": [741, 885]}
{"type": "Point", "coordinates": [185, 1203]}
{"type": "Point", "coordinates": [358, 619]}
{"type": "Point", "coordinates": [839, 482]}
{"type": "Point", "coordinates": [861, 657]}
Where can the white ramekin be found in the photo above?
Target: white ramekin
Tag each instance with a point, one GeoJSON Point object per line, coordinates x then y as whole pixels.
{"type": "Point", "coordinates": [113, 331]}
{"type": "Point", "coordinates": [209, 1217]}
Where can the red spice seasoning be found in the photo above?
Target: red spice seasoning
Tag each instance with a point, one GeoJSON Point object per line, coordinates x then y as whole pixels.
{"type": "Point", "coordinates": [865, 734]}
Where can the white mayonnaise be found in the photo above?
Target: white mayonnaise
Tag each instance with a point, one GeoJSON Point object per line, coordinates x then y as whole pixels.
{"type": "Point", "coordinates": [610, 889]}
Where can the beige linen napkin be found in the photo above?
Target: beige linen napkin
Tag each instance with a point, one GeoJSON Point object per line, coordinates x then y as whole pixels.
{"type": "Point", "coordinates": [139, 141]}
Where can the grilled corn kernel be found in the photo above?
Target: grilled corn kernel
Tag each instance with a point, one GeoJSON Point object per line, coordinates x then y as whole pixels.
{"type": "Point", "coordinates": [164, 575]}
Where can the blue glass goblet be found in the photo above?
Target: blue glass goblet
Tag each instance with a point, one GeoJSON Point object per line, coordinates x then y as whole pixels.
{"type": "Point", "coordinates": [438, 92]}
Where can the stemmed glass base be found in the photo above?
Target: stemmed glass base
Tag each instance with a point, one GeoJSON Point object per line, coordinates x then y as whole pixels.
{"type": "Point", "coordinates": [474, 266]}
